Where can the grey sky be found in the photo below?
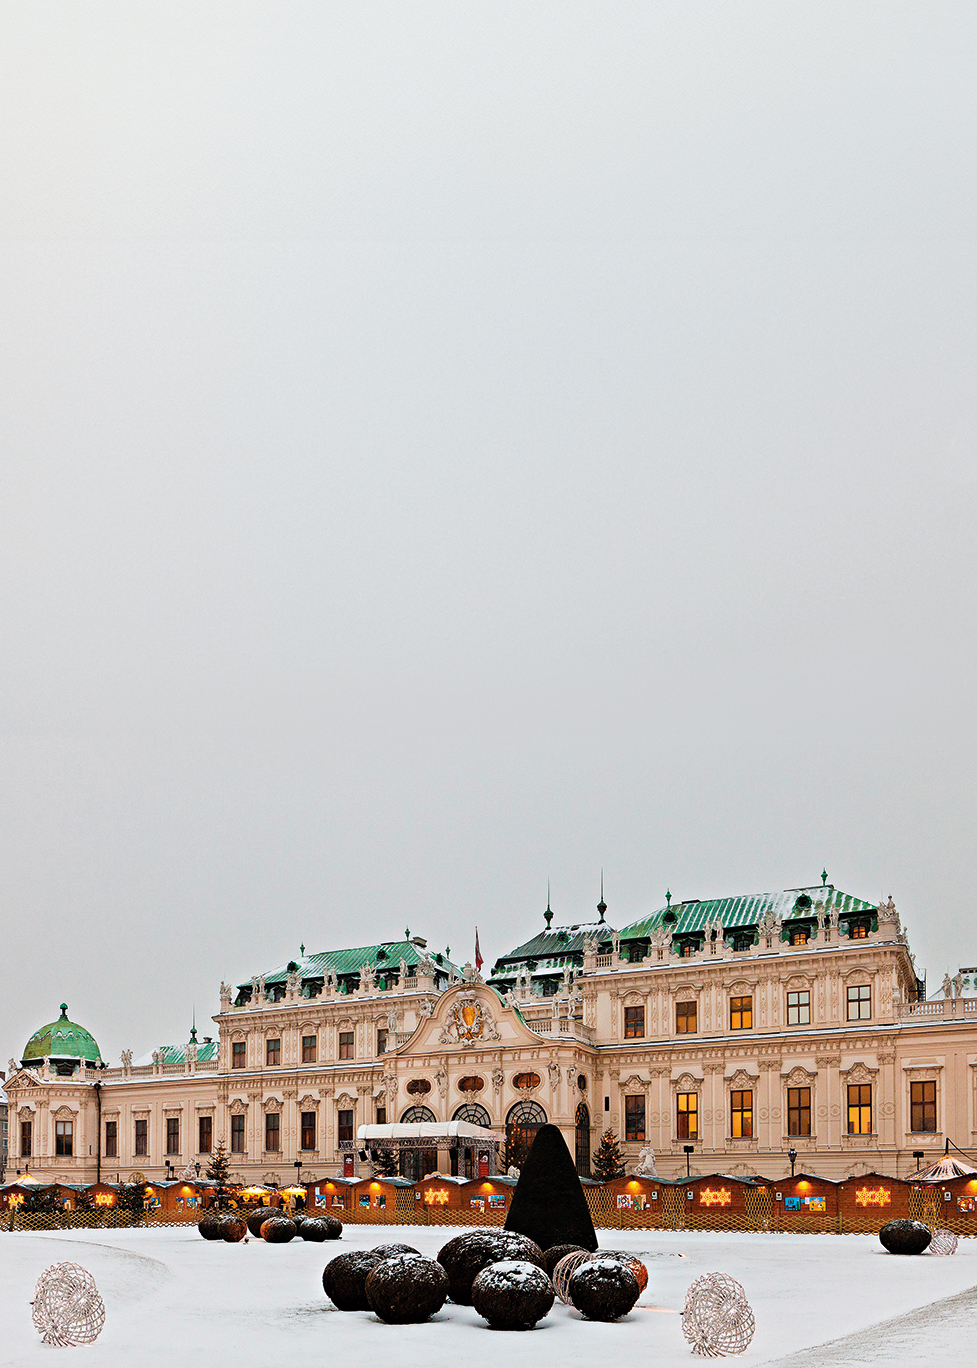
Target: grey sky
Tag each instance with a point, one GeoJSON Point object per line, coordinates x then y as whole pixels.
{"type": "Point", "coordinates": [447, 447]}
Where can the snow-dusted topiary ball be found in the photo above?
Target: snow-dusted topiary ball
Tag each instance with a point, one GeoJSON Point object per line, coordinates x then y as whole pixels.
{"type": "Point", "coordinates": [233, 1229]}
{"type": "Point", "coordinates": [277, 1230]}
{"type": "Point", "coordinates": [943, 1242]}
{"type": "Point", "coordinates": [565, 1270]}
{"type": "Point", "coordinates": [905, 1237]}
{"type": "Point", "coordinates": [630, 1261]}
{"type": "Point", "coordinates": [512, 1294]}
{"type": "Point", "coordinates": [344, 1278]}
{"type": "Point", "coordinates": [717, 1319]}
{"type": "Point", "coordinates": [210, 1226]}
{"type": "Point", "coordinates": [67, 1307]}
{"type": "Point", "coordinates": [603, 1288]}
{"type": "Point", "coordinates": [406, 1288]}
{"type": "Point", "coordinates": [464, 1257]}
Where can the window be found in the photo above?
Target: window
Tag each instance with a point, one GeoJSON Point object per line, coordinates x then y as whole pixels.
{"type": "Point", "coordinates": [634, 1022]}
{"type": "Point", "coordinates": [688, 1116]}
{"type": "Point", "coordinates": [523, 1080]}
{"type": "Point", "coordinates": [686, 1018]}
{"type": "Point", "coordinates": [111, 1139]}
{"type": "Point", "coordinates": [417, 1087]}
{"type": "Point", "coordinates": [238, 1054]}
{"type": "Point", "coordinates": [741, 1013]}
{"type": "Point", "coordinates": [741, 1114]}
{"type": "Point", "coordinates": [273, 1052]}
{"type": "Point", "coordinates": [172, 1135]}
{"type": "Point", "coordinates": [308, 1130]}
{"type": "Point", "coordinates": [345, 1125]}
{"type": "Point", "coordinates": [859, 1002]}
{"type": "Point", "coordinates": [205, 1135]}
{"type": "Point", "coordinates": [798, 1111]}
{"type": "Point", "coordinates": [309, 1044]}
{"type": "Point", "coordinates": [142, 1136]}
{"type": "Point", "coordinates": [860, 1109]}
{"type": "Point", "coordinates": [799, 1008]}
{"type": "Point", "coordinates": [273, 1134]}
{"type": "Point", "coordinates": [26, 1138]}
{"type": "Point", "coordinates": [922, 1105]}
{"type": "Point", "coordinates": [381, 1041]}
{"type": "Point", "coordinates": [858, 930]}
{"type": "Point", "coordinates": [634, 1118]}
{"type": "Point", "coordinates": [688, 950]}
{"type": "Point", "coordinates": [237, 1134]}
{"type": "Point", "coordinates": [799, 936]}
{"type": "Point", "coordinates": [63, 1137]}
{"type": "Point", "coordinates": [381, 1116]}
{"type": "Point", "coordinates": [345, 1044]}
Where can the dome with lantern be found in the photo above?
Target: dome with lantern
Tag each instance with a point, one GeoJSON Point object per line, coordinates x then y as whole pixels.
{"type": "Point", "coordinates": [64, 1044]}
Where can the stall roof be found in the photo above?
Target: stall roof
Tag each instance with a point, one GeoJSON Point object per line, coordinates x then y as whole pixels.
{"type": "Point", "coordinates": [422, 1129]}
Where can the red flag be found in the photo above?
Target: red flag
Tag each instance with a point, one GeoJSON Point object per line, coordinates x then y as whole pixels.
{"type": "Point", "coordinates": [478, 953]}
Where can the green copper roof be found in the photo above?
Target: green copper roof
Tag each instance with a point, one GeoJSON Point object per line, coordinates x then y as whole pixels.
{"type": "Point", "coordinates": [553, 945]}
{"type": "Point", "coordinates": [384, 956]}
{"type": "Point", "coordinates": [747, 909]}
{"type": "Point", "coordinates": [177, 1054]}
{"type": "Point", "coordinates": [62, 1039]}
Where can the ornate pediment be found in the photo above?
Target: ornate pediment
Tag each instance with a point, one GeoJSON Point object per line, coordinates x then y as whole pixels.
{"type": "Point", "coordinates": [634, 1083]}
{"type": "Point", "coordinates": [799, 1077]}
{"type": "Point", "coordinates": [64, 1114]}
{"type": "Point", "coordinates": [686, 1083]}
{"type": "Point", "coordinates": [860, 1073]}
{"type": "Point", "coordinates": [469, 1021]}
{"type": "Point", "coordinates": [238, 1107]}
{"type": "Point", "coordinates": [308, 1103]}
{"type": "Point", "coordinates": [741, 1080]}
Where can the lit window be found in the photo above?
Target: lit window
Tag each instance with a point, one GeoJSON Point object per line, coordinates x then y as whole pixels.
{"type": "Point", "coordinates": [634, 1022]}
{"type": "Point", "coordinates": [859, 1002]}
{"type": "Point", "coordinates": [922, 1100]}
{"type": "Point", "coordinates": [634, 1118]}
{"type": "Point", "coordinates": [799, 1008]}
{"type": "Point", "coordinates": [798, 1111]}
{"type": "Point", "coordinates": [688, 1116]}
{"type": "Point", "coordinates": [860, 1109]}
{"type": "Point", "coordinates": [799, 936]}
{"type": "Point", "coordinates": [686, 1018]}
{"type": "Point", "coordinates": [741, 1013]}
{"type": "Point", "coordinates": [741, 1114]}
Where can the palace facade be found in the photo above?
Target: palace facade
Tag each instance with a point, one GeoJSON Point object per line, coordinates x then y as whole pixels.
{"type": "Point", "coordinates": [723, 1034]}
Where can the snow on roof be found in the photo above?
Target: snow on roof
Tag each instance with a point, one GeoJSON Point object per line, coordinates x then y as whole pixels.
{"type": "Point", "coordinates": [424, 1129]}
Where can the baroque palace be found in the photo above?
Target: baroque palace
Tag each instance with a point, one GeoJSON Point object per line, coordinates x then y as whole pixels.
{"type": "Point", "coordinates": [723, 1034]}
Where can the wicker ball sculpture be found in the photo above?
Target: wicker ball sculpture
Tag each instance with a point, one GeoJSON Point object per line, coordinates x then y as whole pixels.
{"type": "Point", "coordinates": [464, 1257]}
{"type": "Point", "coordinates": [278, 1230]}
{"type": "Point", "coordinates": [717, 1319]}
{"type": "Point", "coordinates": [565, 1270]}
{"type": "Point", "coordinates": [630, 1261]}
{"type": "Point", "coordinates": [603, 1288]}
{"type": "Point", "coordinates": [943, 1242]}
{"type": "Point", "coordinates": [552, 1256]}
{"type": "Point", "coordinates": [406, 1288]}
{"type": "Point", "coordinates": [512, 1294]}
{"type": "Point", "coordinates": [905, 1237]}
{"type": "Point", "coordinates": [67, 1307]}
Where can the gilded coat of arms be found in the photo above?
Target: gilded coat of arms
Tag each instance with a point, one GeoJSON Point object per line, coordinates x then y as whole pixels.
{"type": "Point", "coordinates": [468, 1022]}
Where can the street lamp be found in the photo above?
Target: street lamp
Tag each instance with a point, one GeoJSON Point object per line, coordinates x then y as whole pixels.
{"type": "Point", "coordinates": [689, 1151]}
{"type": "Point", "coordinates": [197, 1167]}
{"type": "Point", "coordinates": [919, 1156]}
{"type": "Point", "coordinates": [792, 1156]}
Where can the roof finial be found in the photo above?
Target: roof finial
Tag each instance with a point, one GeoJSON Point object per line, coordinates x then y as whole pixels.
{"type": "Point", "coordinates": [302, 951]}
{"type": "Point", "coordinates": [824, 877]}
{"type": "Point", "coordinates": [602, 905]}
{"type": "Point", "coordinates": [64, 1011]}
{"type": "Point", "coordinates": [406, 933]}
{"type": "Point", "coordinates": [548, 914]}
{"type": "Point", "coordinates": [668, 897]}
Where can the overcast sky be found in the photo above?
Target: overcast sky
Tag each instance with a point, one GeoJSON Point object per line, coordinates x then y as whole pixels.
{"type": "Point", "coordinates": [447, 447]}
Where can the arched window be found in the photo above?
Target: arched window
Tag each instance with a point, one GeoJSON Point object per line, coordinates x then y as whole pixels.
{"type": "Point", "coordinates": [415, 1162]}
{"type": "Point", "coordinates": [464, 1161]}
{"type": "Point", "coordinates": [582, 1138]}
{"type": "Point", "coordinates": [526, 1080]}
{"type": "Point", "coordinates": [474, 1114]}
{"type": "Point", "coordinates": [521, 1125]}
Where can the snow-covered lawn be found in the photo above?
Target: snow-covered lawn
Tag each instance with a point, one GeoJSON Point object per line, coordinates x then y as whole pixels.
{"type": "Point", "coordinates": [174, 1299]}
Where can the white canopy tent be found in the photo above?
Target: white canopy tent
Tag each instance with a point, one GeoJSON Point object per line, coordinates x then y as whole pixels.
{"type": "Point", "coordinates": [427, 1130]}
{"type": "Point", "coordinates": [420, 1144]}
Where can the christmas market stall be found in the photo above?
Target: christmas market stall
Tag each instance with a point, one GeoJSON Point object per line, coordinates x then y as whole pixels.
{"type": "Point", "coordinates": [806, 1202]}
{"type": "Point", "coordinates": [487, 1199]}
{"type": "Point", "coordinates": [869, 1201]}
{"type": "Point", "coordinates": [380, 1200]}
{"type": "Point", "coordinates": [332, 1196]}
{"type": "Point", "coordinates": [722, 1202]}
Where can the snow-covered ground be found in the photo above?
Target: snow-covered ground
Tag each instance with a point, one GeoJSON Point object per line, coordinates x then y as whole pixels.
{"type": "Point", "coordinates": [175, 1299]}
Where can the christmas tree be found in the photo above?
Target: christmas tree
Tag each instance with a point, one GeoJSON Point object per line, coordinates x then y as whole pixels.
{"type": "Point", "coordinates": [607, 1162]}
{"type": "Point", "coordinates": [132, 1198]}
{"type": "Point", "coordinates": [217, 1171]}
{"type": "Point", "coordinates": [385, 1163]}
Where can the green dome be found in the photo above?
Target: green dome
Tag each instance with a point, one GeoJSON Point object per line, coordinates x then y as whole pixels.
{"type": "Point", "coordinates": [62, 1039]}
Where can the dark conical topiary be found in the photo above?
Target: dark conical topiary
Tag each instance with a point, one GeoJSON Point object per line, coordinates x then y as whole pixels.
{"type": "Point", "coordinates": [548, 1204]}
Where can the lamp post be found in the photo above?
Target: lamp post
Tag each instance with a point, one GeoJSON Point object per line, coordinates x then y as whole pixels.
{"type": "Point", "coordinates": [689, 1151]}
{"type": "Point", "coordinates": [792, 1156]}
{"type": "Point", "coordinates": [919, 1156]}
{"type": "Point", "coordinates": [169, 1170]}
{"type": "Point", "coordinates": [197, 1167]}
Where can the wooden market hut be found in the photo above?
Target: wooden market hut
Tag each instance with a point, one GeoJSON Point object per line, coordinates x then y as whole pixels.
{"type": "Point", "coordinates": [868, 1201]}
{"type": "Point", "coordinates": [333, 1196]}
{"type": "Point", "coordinates": [631, 1200]}
{"type": "Point", "coordinates": [487, 1199]}
{"type": "Point", "coordinates": [950, 1203]}
{"type": "Point", "coordinates": [720, 1201]}
{"type": "Point", "coordinates": [380, 1199]}
{"type": "Point", "coordinates": [440, 1192]}
{"type": "Point", "coordinates": [806, 1202]}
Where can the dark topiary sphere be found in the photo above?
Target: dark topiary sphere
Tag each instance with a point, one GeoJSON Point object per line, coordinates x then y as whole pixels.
{"type": "Point", "coordinates": [278, 1230]}
{"type": "Point", "coordinates": [512, 1294]}
{"type": "Point", "coordinates": [553, 1255]}
{"type": "Point", "coordinates": [314, 1230]}
{"type": "Point", "coordinates": [334, 1227]}
{"type": "Point", "coordinates": [233, 1229]}
{"type": "Point", "coordinates": [603, 1289]}
{"type": "Point", "coordinates": [905, 1237]}
{"type": "Point", "coordinates": [297, 1217]}
{"type": "Point", "coordinates": [257, 1219]}
{"type": "Point", "coordinates": [406, 1288]}
{"type": "Point", "coordinates": [210, 1225]}
{"type": "Point", "coordinates": [344, 1278]}
{"type": "Point", "coordinates": [464, 1257]}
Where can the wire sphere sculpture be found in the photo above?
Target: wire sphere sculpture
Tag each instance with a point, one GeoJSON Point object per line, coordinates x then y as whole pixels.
{"type": "Point", "coordinates": [943, 1242]}
{"type": "Point", "coordinates": [67, 1307]}
{"type": "Point", "coordinates": [565, 1270]}
{"type": "Point", "coordinates": [717, 1319]}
